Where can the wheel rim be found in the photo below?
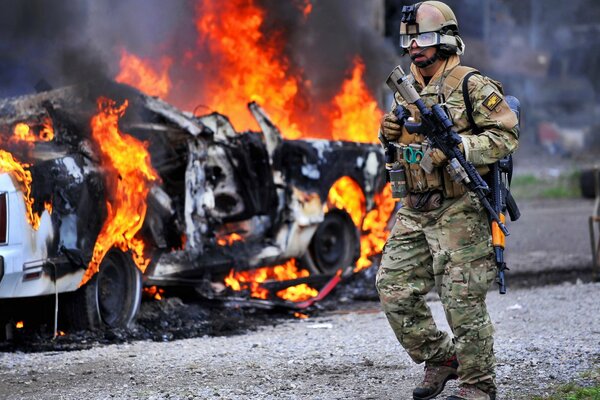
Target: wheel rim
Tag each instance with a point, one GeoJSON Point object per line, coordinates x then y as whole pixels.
{"type": "Point", "coordinates": [118, 290]}
{"type": "Point", "coordinates": [335, 243]}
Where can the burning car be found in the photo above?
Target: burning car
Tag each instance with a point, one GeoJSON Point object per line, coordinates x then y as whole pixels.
{"type": "Point", "coordinates": [105, 190]}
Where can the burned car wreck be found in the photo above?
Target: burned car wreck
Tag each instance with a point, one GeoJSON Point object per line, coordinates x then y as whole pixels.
{"type": "Point", "coordinates": [105, 190]}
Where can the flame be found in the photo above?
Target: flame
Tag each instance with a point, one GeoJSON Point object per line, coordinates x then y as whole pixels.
{"type": "Point", "coordinates": [154, 292]}
{"type": "Point", "coordinates": [22, 132]}
{"type": "Point", "coordinates": [356, 114]}
{"type": "Point", "coordinates": [347, 195]}
{"type": "Point", "coordinates": [47, 131]}
{"type": "Point", "coordinates": [297, 293]}
{"type": "Point", "coordinates": [17, 170]}
{"type": "Point", "coordinates": [228, 240]}
{"type": "Point", "coordinates": [305, 7]}
{"type": "Point", "coordinates": [344, 194]}
{"type": "Point", "coordinates": [374, 228]}
{"type": "Point", "coordinates": [20, 325]}
{"type": "Point", "coordinates": [300, 315]}
{"type": "Point", "coordinates": [249, 65]}
{"type": "Point", "coordinates": [140, 73]}
{"type": "Point", "coordinates": [128, 174]}
{"type": "Point", "coordinates": [251, 280]}
{"type": "Point", "coordinates": [240, 58]}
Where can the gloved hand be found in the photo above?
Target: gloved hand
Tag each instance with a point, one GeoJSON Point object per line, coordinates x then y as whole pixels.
{"type": "Point", "coordinates": [438, 158]}
{"type": "Point", "coordinates": [391, 127]}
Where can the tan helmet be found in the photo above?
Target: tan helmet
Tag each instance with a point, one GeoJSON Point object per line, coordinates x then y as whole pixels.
{"type": "Point", "coordinates": [441, 23]}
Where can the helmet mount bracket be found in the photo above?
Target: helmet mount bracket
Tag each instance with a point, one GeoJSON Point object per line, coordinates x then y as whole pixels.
{"type": "Point", "coordinates": [409, 17]}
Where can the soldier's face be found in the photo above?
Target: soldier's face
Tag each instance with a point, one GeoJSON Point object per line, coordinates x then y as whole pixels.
{"type": "Point", "coordinates": [421, 54]}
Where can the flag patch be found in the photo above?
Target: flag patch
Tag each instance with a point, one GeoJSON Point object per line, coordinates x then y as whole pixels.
{"type": "Point", "coordinates": [492, 101]}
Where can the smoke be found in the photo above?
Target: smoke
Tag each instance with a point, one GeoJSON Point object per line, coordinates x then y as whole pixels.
{"type": "Point", "coordinates": [66, 41]}
{"type": "Point", "coordinates": [324, 44]}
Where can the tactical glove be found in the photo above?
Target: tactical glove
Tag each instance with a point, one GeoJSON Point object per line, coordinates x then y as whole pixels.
{"type": "Point", "coordinates": [391, 127]}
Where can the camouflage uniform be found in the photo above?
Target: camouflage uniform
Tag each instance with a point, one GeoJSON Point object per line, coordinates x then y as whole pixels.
{"type": "Point", "coordinates": [449, 247]}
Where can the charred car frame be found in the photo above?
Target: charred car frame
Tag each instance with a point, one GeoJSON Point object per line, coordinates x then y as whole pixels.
{"type": "Point", "coordinates": [214, 184]}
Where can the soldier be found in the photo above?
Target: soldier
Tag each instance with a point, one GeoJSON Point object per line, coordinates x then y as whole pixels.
{"type": "Point", "coordinates": [441, 235]}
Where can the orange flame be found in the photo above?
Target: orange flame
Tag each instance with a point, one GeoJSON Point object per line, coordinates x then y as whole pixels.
{"type": "Point", "coordinates": [20, 325]}
{"type": "Point", "coordinates": [374, 228]}
{"type": "Point", "coordinates": [306, 8]}
{"type": "Point", "coordinates": [24, 133]}
{"type": "Point", "coordinates": [228, 240]}
{"type": "Point", "coordinates": [239, 59]}
{"type": "Point", "coordinates": [128, 172]}
{"type": "Point", "coordinates": [347, 195]}
{"type": "Point", "coordinates": [250, 65]}
{"type": "Point", "coordinates": [357, 115]}
{"type": "Point", "coordinates": [47, 131]}
{"type": "Point", "coordinates": [300, 315]}
{"type": "Point", "coordinates": [139, 73]}
{"type": "Point", "coordinates": [17, 170]}
{"type": "Point", "coordinates": [154, 292]}
{"type": "Point", "coordinates": [245, 64]}
{"type": "Point", "coordinates": [251, 280]}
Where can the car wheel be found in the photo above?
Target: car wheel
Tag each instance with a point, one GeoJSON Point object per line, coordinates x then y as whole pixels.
{"type": "Point", "coordinates": [587, 183]}
{"type": "Point", "coordinates": [335, 244]}
{"type": "Point", "coordinates": [111, 299]}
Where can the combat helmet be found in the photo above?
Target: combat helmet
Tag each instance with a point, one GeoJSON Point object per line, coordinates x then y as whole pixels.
{"type": "Point", "coordinates": [427, 31]}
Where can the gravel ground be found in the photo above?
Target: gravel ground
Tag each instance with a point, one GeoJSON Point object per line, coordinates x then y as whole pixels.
{"type": "Point", "coordinates": [545, 336]}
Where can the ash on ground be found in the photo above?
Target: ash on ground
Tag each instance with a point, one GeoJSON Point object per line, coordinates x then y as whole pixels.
{"type": "Point", "coordinates": [181, 315]}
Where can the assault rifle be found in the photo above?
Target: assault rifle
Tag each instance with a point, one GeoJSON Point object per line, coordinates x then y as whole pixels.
{"type": "Point", "coordinates": [502, 200]}
{"type": "Point", "coordinates": [438, 130]}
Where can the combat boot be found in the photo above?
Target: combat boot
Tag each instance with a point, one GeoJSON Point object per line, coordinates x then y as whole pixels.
{"type": "Point", "coordinates": [470, 392]}
{"type": "Point", "coordinates": [436, 376]}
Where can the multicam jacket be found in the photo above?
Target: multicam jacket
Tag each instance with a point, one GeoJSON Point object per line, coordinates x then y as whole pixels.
{"type": "Point", "coordinates": [492, 115]}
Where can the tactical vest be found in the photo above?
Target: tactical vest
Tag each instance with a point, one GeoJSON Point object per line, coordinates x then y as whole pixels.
{"type": "Point", "coordinates": [413, 144]}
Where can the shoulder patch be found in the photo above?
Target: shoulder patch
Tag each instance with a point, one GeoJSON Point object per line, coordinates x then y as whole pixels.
{"type": "Point", "coordinates": [492, 101]}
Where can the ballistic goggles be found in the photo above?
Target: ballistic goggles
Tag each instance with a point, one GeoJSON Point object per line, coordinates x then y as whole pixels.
{"type": "Point", "coordinates": [424, 39]}
{"type": "Point", "coordinates": [427, 39]}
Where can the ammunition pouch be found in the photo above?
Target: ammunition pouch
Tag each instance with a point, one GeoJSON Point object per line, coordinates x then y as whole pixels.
{"type": "Point", "coordinates": [452, 188]}
{"type": "Point", "coordinates": [418, 181]}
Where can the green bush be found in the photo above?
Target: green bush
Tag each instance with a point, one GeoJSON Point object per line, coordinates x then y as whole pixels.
{"type": "Point", "coordinates": [531, 187]}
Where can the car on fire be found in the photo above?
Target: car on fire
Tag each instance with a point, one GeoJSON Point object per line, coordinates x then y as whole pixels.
{"type": "Point", "coordinates": [179, 200]}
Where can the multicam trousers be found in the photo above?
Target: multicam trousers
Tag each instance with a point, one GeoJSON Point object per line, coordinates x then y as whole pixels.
{"type": "Point", "coordinates": [449, 248]}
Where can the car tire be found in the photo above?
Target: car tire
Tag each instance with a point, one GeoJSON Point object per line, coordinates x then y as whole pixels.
{"type": "Point", "coordinates": [335, 244]}
{"type": "Point", "coordinates": [587, 183]}
{"type": "Point", "coordinates": [111, 299]}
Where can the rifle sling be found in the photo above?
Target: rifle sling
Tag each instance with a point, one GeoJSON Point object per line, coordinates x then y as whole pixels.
{"type": "Point", "coordinates": [469, 106]}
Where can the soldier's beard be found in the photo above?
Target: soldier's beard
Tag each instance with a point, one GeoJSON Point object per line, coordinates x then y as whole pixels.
{"type": "Point", "coordinates": [427, 62]}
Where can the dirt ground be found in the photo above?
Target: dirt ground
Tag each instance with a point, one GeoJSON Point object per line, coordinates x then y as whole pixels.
{"type": "Point", "coordinates": [544, 337]}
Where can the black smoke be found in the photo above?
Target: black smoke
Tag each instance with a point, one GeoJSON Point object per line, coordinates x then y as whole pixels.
{"type": "Point", "coordinates": [67, 41]}
{"type": "Point", "coordinates": [324, 44]}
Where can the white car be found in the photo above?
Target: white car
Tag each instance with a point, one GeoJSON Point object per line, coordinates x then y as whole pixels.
{"type": "Point", "coordinates": [221, 201]}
